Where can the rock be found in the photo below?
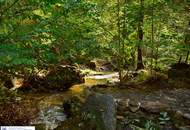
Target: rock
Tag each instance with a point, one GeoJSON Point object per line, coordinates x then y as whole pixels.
{"type": "Point", "coordinates": [154, 107]}
{"type": "Point", "coordinates": [168, 128]}
{"type": "Point", "coordinates": [183, 114]}
{"type": "Point", "coordinates": [121, 118]}
{"type": "Point", "coordinates": [63, 77]}
{"type": "Point", "coordinates": [92, 65]}
{"type": "Point", "coordinates": [184, 128]}
{"type": "Point", "coordinates": [59, 78]}
{"type": "Point", "coordinates": [104, 109]}
{"type": "Point", "coordinates": [49, 116]}
{"type": "Point", "coordinates": [134, 106]}
{"type": "Point", "coordinates": [187, 115]}
{"type": "Point", "coordinates": [107, 67]}
{"type": "Point", "coordinates": [122, 105]}
{"type": "Point", "coordinates": [127, 127]}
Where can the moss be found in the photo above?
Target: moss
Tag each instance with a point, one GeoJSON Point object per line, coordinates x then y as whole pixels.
{"type": "Point", "coordinates": [40, 127]}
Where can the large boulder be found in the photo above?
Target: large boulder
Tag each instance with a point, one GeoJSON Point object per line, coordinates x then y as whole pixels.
{"type": "Point", "coordinates": [108, 66]}
{"type": "Point", "coordinates": [58, 78]}
{"type": "Point", "coordinates": [63, 77]}
{"type": "Point", "coordinates": [103, 108]}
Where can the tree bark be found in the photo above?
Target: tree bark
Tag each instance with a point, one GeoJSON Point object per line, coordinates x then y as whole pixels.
{"type": "Point", "coordinates": [187, 42]}
{"type": "Point", "coordinates": [179, 61]}
{"type": "Point", "coordinates": [139, 61]}
{"type": "Point", "coordinates": [187, 57]}
{"type": "Point", "coordinates": [119, 42]}
{"type": "Point", "coordinates": [140, 37]}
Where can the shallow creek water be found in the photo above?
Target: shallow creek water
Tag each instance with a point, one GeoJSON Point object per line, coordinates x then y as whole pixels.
{"type": "Point", "coordinates": [51, 112]}
{"type": "Point", "coordinates": [50, 104]}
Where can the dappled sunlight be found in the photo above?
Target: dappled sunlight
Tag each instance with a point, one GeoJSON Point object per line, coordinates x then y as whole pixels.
{"type": "Point", "coordinates": [57, 57]}
{"type": "Point", "coordinates": [77, 88]}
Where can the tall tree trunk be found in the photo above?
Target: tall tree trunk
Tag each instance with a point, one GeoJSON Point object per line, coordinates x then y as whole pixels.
{"type": "Point", "coordinates": [187, 42]}
{"type": "Point", "coordinates": [124, 34]}
{"type": "Point", "coordinates": [119, 42]}
{"type": "Point", "coordinates": [180, 58]}
{"type": "Point", "coordinates": [139, 59]}
{"type": "Point", "coordinates": [140, 37]}
{"type": "Point", "coordinates": [187, 57]}
{"type": "Point", "coordinates": [152, 35]}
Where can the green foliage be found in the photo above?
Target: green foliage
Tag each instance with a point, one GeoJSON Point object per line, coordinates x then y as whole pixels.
{"type": "Point", "coordinates": [164, 118]}
{"type": "Point", "coordinates": [149, 125]}
{"type": "Point", "coordinates": [47, 32]}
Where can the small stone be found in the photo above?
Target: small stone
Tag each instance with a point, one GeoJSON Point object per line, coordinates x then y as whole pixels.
{"type": "Point", "coordinates": [134, 106]}
{"type": "Point", "coordinates": [134, 109]}
{"type": "Point", "coordinates": [120, 117]}
{"type": "Point", "coordinates": [124, 103]}
{"type": "Point", "coordinates": [154, 107]}
{"type": "Point", "coordinates": [183, 114]}
{"type": "Point", "coordinates": [184, 128]}
{"type": "Point", "coordinates": [187, 115]}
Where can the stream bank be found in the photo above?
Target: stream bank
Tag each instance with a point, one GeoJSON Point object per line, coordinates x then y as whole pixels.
{"type": "Point", "coordinates": [137, 106]}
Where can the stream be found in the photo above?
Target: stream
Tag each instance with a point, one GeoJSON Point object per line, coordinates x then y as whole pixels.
{"type": "Point", "coordinates": [50, 107]}
{"type": "Point", "coordinates": [50, 104]}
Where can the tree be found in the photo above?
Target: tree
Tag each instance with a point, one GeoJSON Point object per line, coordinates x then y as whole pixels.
{"type": "Point", "coordinates": [140, 36]}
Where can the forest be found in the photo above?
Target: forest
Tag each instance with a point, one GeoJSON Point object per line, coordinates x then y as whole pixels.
{"type": "Point", "coordinates": [95, 64]}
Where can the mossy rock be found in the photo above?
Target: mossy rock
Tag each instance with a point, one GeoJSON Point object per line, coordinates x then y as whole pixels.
{"type": "Point", "coordinates": [59, 78]}
{"type": "Point", "coordinates": [63, 77]}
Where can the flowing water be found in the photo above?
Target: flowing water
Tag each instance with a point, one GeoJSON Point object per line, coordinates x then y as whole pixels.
{"type": "Point", "coordinates": [51, 112]}
{"type": "Point", "coordinates": [50, 108]}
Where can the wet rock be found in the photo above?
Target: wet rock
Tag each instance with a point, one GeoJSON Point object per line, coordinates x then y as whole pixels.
{"type": "Point", "coordinates": [154, 107]}
{"type": "Point", "coordinates": [103, 107]}
{"type": "Point", "coordinates": [49, 116]}
{"type": "Point", "coordinates": [184, 128]}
